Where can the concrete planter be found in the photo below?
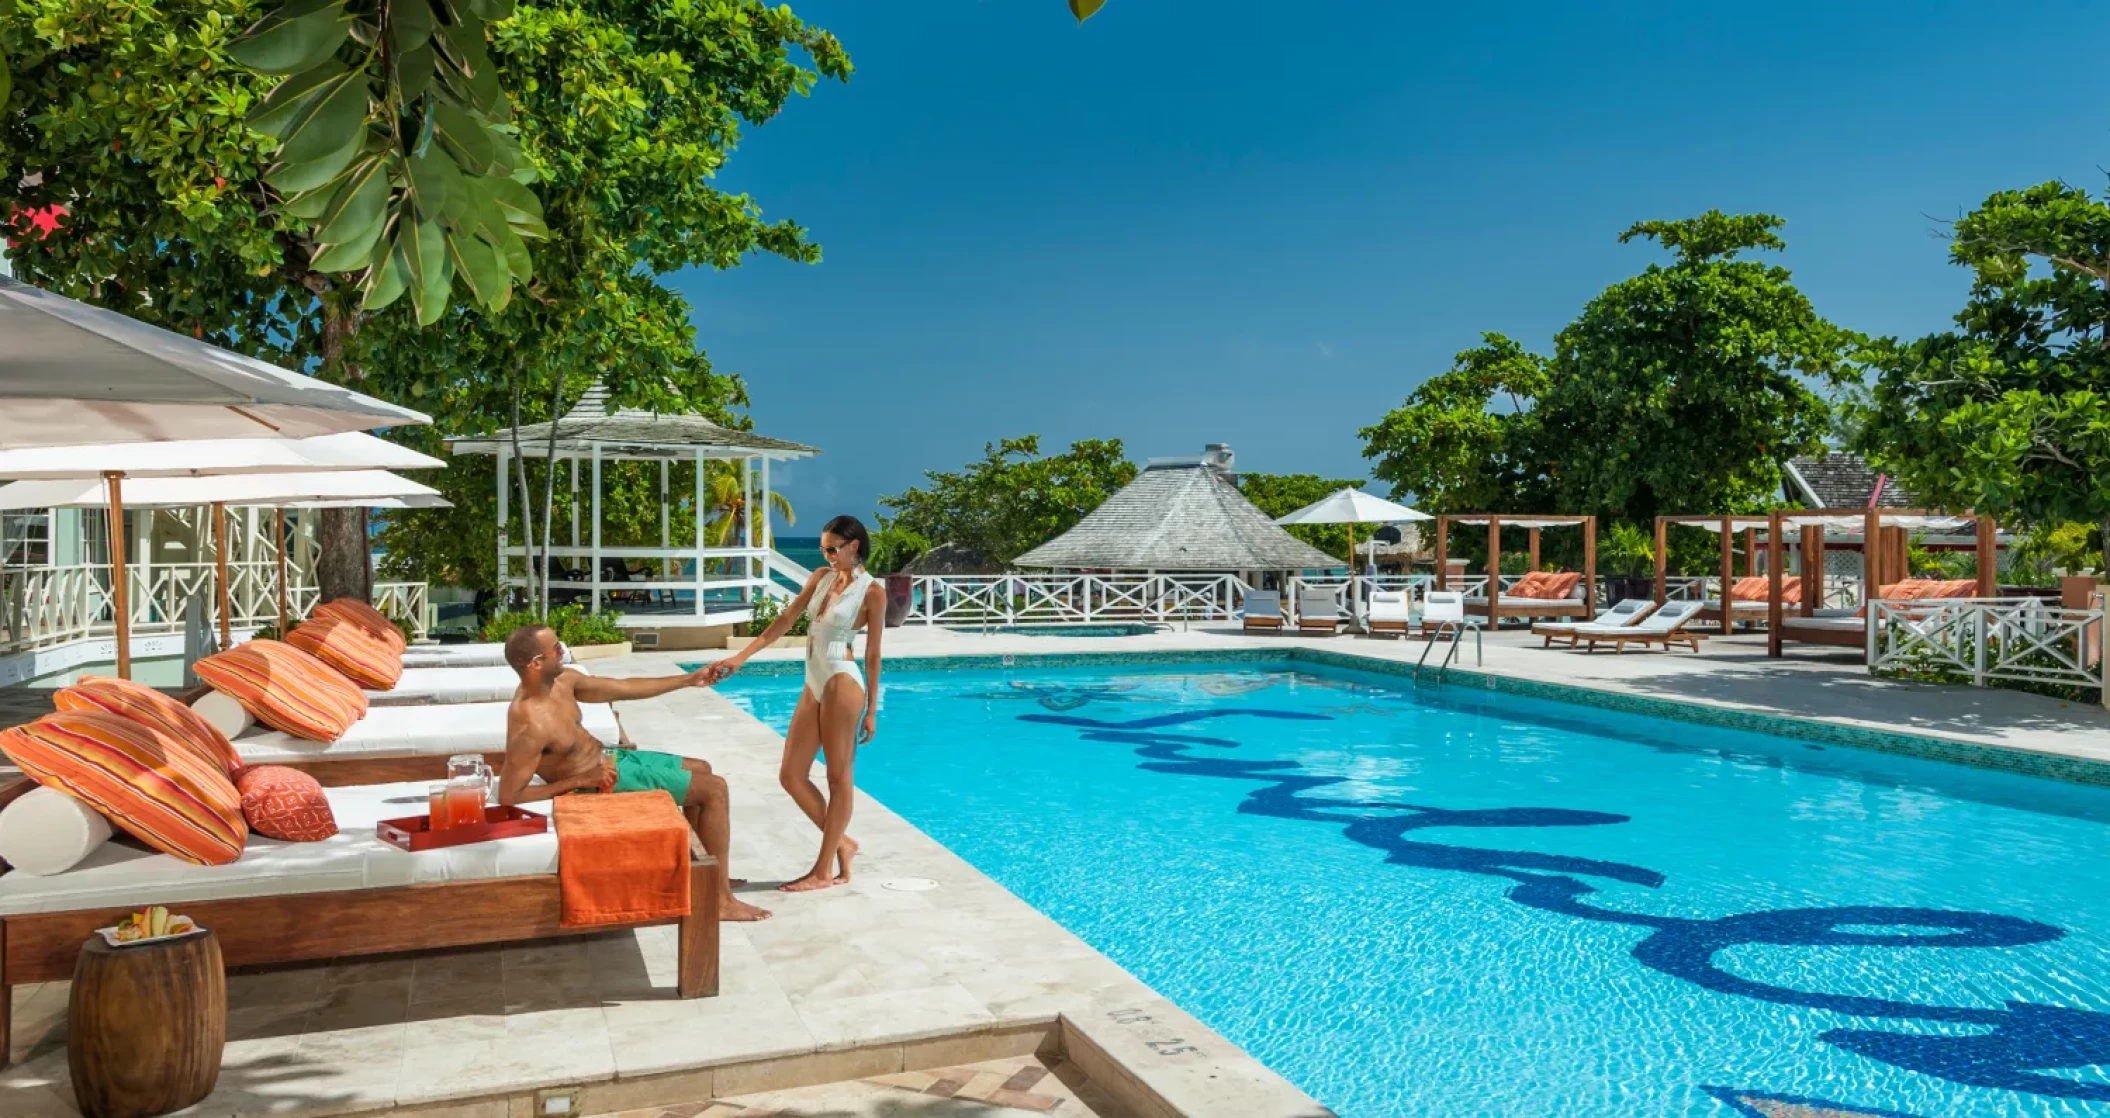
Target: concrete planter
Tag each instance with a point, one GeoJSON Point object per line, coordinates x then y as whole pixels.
{"type": "Point", "coordinates": [735, 644]}
{"type": "Point", "coordinates": [599, 651]}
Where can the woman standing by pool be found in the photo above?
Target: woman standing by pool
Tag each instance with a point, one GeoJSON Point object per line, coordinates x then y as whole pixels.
{"type": "Point", "coordinates": [839, 710]}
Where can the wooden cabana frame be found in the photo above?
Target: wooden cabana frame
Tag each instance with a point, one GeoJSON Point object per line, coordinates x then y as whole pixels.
{"type": "Point", "coordinates": [1884, 560]}
{"type": "Point", "coordinates": [1726, 527]}
{"type": "Point", "coordinates": [1495, 609]}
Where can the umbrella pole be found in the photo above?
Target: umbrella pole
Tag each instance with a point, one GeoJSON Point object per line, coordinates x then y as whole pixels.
{"type": "Point", "coordinates": [120, 593]}
{"type": "Point", "coordinates": [219, 547]}
{"type": "Point", "coordinates": [281, 541]}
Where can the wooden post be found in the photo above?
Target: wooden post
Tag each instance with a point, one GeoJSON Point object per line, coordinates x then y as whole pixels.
{"type": "Point", "coordinates": [1494, 570]}
{"type": "Point", "coordinates": [1774, 613]}
{"type": "Point", "coordinates": [280, 540]}
{"type": "Point", "coordinates": [1589, 527]}
{"type": "Point", "coordinates": [1728, 548]}
{"type": "Point", "coordinates": [219, 549]}
{"type": "Point", "coordinates": [1812, 568]}
{"type": "Point", "coordinates": [1871, 560]}
{"type": "Point", "coordinates": [1988, 557]}
{"type": "Point", "coordinates": [596, 576]}
{"type": "Point", "coordinates": [120, 590]}
{"type": "Point", "coordinates": [1443, 551]}
{"type": "Point", "coordinates": [1750, 552]}
{"type": "Point", "coordinates": [1662, 560]}
{"type": "Point", "coordinates": [699, 532]}
{"type": "Point", "coordinates": [1533, 535]}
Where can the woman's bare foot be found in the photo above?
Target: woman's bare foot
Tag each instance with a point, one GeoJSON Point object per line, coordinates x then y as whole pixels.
{"type": "Point", "coordinates": [844, 852]}
{"type": "Point", "coordinates": [738, 910]}
{"type": "Point", "coordinates": [809, 883]}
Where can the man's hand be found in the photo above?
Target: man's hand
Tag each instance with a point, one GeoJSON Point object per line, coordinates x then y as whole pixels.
{"type": "Point", "coordinates": [704, 676]}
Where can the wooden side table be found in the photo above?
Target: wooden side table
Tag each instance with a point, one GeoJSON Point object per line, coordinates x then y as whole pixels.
{"type": "Point", "coordinates": [146, 1025]}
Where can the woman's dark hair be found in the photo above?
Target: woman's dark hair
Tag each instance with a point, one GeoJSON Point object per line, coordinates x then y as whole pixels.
{"type": "Point", "coordinates": [851, 529]}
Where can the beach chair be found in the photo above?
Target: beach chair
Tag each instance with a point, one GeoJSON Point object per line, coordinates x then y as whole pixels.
{"type": "Point", "coordinates": [482, 654]}
{"type": "Point", "coordinates": [1666, 626]}
{"type": "Point", "coordinates": [1263, 610]}
{"type": "Point", "coordinates": [392, 742]}
{"type": "Point", "coordinates": [1390, 612]}
{"type": "Point", "coordinates": [1623, 613]}
{"type": "Point", "coordinates": [449, 686]}
{"type": "Point", "coordinates": [1318, 610]}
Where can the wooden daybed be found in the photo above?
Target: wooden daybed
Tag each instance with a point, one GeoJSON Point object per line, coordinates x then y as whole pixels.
{"type": "Point", "coordinates": [1750, 609]}
{"type": "Point", "coordinates": [282, 902]}
{"type": "Point", "coordinates": [1497, 606]}
{"type": "Point", "coordinates": [1884, 567]}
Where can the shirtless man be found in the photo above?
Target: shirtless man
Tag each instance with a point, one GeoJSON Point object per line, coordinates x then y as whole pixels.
{"type": "Point", "coordinates": [544, 738]}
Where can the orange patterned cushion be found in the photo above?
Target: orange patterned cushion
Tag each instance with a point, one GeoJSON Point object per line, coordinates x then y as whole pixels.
{"type": "Point", "coordinates": [1757, 588]}
{"type": "Point", "coordinates": [364, 616]}
{"type": "Point", "coordinates": [286, 689]}
{"type": "Point", "coordinates": [1559, 584]}
{"type": "Point", "coordinates": [1532, 585]}
{"type": "Point", "coordinates": [141, 703]}
{"type": "Point", "coordinates": [160, 792]}
{"type": "Point", "coordinates": [285, 803]}
{"type": "Point", "coordinates": [350, 648]}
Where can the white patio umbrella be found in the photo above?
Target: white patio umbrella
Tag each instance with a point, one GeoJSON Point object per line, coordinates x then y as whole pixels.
{"type": "Point", "coordinates": [196, 472]}
{"type": "Point", "coordinates": [1353, 507]}
{"type": "Point", "coordinates": [71, 373]}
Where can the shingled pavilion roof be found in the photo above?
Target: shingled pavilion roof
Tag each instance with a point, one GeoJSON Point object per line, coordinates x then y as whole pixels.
{"type": "Point", "coordinates": [1843, 481]}
{"type": "Point", "coordinates": [632, 433]}
{"type": "Point", "coordinates": [1178, 516]}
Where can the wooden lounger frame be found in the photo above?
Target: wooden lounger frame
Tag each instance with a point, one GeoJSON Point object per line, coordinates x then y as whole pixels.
{"type": "Point", "coordinates": [1494, 609]}
{"type": "Point", "coordinates": [1679, 635]}
{"type": "Point", "coordinates": [254, 931]}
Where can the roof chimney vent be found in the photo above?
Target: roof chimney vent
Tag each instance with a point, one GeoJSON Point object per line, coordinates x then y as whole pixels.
{"type": "Point", "coordinates": [1218, 457]}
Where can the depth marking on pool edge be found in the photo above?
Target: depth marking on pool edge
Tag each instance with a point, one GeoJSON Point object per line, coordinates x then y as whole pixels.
{"type": "Point", "coordinates": [1174, 1046]}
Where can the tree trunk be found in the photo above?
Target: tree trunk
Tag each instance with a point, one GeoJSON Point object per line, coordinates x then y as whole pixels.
{"type": "Point", "coordinates": [549, 485]}
{"type": "Point", "coordinates": [344, 563]}
{"type": "Point", "coordinates": [2104, 530]}
{"type": "Point", "coordinates": [527, 504]}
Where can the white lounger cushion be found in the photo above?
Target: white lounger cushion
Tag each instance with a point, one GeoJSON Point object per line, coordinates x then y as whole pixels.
{"type": "Point", "coordinates": [439, 686]}
{"type": "Point", "coordinates": [487, 655]}
{"type": "Point", "coordinates": [123, 875]}
{"type": "Point", "coordinates": [226, 715]}
{"type": "Point", "coordinates": [45, 831]}
{"type": "Point", "coordinates": [1623, 613]}
{"type": "Point", "coordinates": [412, 731]}
{"type": "Point", "coordinates": [1509, 600]}
{"type": "Point", "coordinates": [1836, 624]}
{"type": "Point", "coordinates": [1388, 605]}
{"type": "Point", "coordinates": [1667, 618]}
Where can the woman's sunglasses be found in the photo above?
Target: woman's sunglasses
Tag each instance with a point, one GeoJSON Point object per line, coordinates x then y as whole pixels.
{"type": "Point", "coordinates": [830, 551]}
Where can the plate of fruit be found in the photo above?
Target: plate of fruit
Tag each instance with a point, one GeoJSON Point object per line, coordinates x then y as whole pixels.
{"type": "Point", "coordinates": [155, 923]}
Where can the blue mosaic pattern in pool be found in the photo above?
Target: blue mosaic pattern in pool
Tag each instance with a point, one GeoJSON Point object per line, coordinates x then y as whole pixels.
{"type": "Point", "coordinates": [1463, 902]}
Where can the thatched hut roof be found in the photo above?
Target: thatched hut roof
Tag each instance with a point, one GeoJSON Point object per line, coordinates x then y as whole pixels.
{"type": "Point", "coordinates": [1178, 516]}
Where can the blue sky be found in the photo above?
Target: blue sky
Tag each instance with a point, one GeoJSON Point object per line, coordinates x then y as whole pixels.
{"type": "Point", "coordinates": [1197, 221]}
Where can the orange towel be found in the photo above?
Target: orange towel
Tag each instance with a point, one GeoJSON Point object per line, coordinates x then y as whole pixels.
{"type": "Point", "coordinates": [622, 858]}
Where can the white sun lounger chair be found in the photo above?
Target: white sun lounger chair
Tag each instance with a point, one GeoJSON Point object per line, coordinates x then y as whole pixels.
{"type": "Point", "coordinates": [485, 654]}
{"type": "Point", "coordinates": [1318, 610]}
{"type": "Point", "coordinates": [1666, 627]}
{"type": "Point", "coordinates": [1263, 610]}
{"type": "Point", "coordinates": [1623, 613]}
{"type": "Point", "coordinates": [397, 742]}
{"type": "Point", "coordinates": [1390, 611]}
{"type": "Point", "coordinates": [448, 686]}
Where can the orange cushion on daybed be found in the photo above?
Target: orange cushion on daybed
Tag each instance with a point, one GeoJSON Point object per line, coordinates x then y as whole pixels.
{"type": "Point", "coordinates": [1544, 585]}
{"type": "Point", "coordinates": [286, 689]}
{"type": "Point", "coordinates": [158, 791]}
{"type": "Point", "coordinates": [1758, 588]}
{"type": "Point", "coordinates": [141, 703]}
{"type": "Point", "coordinates": [352, 649]}
{"type": "Point", "coordinates": [285, 803]}
{"type": "Point", "coordinates": [364, 616]}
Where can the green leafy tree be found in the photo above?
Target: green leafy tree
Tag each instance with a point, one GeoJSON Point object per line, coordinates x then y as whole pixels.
{"type": "Point", "coordinates": [1278, 495]}
{"type": "Point", "coordinates": [1014, 498]}
{"type": "Point", "coordinates": [2010, 411]}
{"type": "Point", "coordinates": [1682, 389]}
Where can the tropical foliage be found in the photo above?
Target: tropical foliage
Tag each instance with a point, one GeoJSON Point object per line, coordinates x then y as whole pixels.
{"type": "Point", "coordinates": [1278, 495]}
{"type": "Point", "coordinates": [2011, 409]}
{"type": "Point", "coordinates": [1013, 498]}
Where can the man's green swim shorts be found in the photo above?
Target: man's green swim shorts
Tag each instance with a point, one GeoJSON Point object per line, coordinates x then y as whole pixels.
{"type": "Point", "coordinates": [637, 770]}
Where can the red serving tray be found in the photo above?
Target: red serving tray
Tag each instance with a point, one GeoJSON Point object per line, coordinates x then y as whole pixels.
{"type": "Point", "coordinates": [415, 833]}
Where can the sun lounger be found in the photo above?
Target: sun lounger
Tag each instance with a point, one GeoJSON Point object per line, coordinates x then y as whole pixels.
{"type": "Point", "coordinates": [404, 742]}
{"type": "Point", "coordinates": [489, 654]}
{"type": "Point", "coordinates": [1263, 609]}
{"type": "Point", "coordinates": [1623, 613]}
{"type": "Point", "coordinates": [1666, 626]}
{"type": "Point", "coordinates": [349, 895]}
{"type": "Point", "coordinates": [1318, 610]}
{"type": "Point", "coordinates": [1391, 611]}
{"type": "Point", "coordinates": [444, 686]}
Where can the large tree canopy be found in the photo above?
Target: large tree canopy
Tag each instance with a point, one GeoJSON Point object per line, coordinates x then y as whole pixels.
{"type": "Point", "coordinates": [1013, 499]}
{"type": "Point", "coordinates": [2010, 411]}
{"type": "Point", "coordinates": [1682, 389]}
{"type": "Point", "coordinates": [1278, 495]}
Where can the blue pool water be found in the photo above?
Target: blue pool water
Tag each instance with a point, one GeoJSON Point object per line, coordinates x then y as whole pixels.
{"type": "Point", "coordinates": [1135, 630]}
{"type": "Point", "coordinates": [1452, 903]}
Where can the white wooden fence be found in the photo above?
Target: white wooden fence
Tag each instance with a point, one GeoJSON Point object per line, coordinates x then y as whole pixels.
{"type": "Point", "coordinates": [1986, 639]}
{"type": "Point", "coordinates": [1046, 599]}
{"type": "Point", "coordinates": [45, 606]}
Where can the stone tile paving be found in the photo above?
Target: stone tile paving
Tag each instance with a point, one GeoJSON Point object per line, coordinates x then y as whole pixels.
{"type": "Point", "coordinates": [1020, 1085]}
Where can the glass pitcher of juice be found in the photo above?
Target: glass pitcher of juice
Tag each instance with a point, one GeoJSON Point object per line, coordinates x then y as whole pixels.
{"type": "Point", "coordinates": [465, 800]}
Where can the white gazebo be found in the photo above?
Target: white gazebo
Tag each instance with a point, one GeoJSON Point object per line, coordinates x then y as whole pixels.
{"type": "Point", "coordinates": [589, 435]}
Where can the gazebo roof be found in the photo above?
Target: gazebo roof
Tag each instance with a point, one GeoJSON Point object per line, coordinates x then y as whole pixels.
{"type": "Point", "coordinates": [1178, 516]}
{"type": "Point", "coordinates": [632, 433]}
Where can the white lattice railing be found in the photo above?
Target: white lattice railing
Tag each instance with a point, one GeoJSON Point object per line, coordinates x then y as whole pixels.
{"type": "Point", "coordinates": [45, 606]}
{"type": "Point", "coordinates": [1985, 639]}
{"type": "Point", "coordinates": [1038, 599]}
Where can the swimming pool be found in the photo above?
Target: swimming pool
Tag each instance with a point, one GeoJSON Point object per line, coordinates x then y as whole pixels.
{"type": "Point", "coordinates": [1125, 630]}
{"type": "Point", "coordinates": [1416, 902]}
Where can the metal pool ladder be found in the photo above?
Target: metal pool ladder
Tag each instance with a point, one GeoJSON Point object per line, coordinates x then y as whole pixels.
{"type": "Point", "coordinates": [1456, 629]}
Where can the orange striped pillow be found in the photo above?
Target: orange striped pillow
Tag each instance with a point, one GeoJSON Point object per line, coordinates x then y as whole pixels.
{"type": "Point", "coordinates": [1759, 588]}
{"type": "Point", "coordinates": [141, 703]}
{"type": "Point", "coordinates": [364, 616]}
{"type": "Point", "coordinates": [286, 689]}
{"type": "Point", "coordinates": [351, 649]}
{"type": "Point", "coordinates": [160, 792]}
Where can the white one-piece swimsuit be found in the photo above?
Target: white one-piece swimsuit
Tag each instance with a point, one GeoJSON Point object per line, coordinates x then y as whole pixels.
{"type": "Point", "coordinates": [830, 632]}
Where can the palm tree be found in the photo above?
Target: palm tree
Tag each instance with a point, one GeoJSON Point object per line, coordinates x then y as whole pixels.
{"type": "Point", "coordinates": [726, 506]}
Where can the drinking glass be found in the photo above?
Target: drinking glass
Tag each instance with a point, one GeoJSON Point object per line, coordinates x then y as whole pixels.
{"type": "Point", "coordinates": [437, 807]}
